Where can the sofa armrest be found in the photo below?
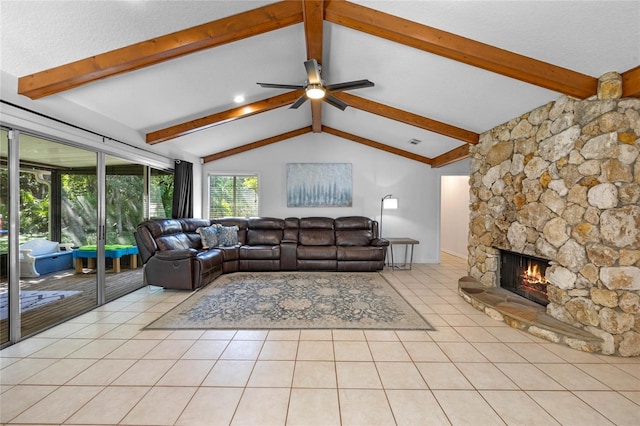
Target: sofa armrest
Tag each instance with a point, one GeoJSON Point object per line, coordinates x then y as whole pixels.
{"type": "Point", "coordinates": [176, 254]}
{"type": "Point", "coordinates": [379, 242]}
{"type": "Point", "coordinates": [288, 261]}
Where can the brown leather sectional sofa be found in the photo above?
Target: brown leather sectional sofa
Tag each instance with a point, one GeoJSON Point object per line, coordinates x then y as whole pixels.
{"type": "Point", "coordinates": [173, 254]}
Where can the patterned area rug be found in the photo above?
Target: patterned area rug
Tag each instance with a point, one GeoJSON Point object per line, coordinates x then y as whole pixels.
{"type": "Point", "coordinates": [295, 300]}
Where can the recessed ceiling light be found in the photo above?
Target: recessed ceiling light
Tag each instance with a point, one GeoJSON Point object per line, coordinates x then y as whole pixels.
{"type": "Point", "coordinates": [238, 99]}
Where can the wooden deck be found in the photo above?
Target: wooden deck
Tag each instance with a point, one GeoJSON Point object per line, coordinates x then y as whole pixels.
{"type": "Point", "coordinates": [43, 317]}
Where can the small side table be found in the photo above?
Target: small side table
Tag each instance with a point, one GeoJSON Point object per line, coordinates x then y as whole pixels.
{"type": "Point", "coordinates": [406, 242]}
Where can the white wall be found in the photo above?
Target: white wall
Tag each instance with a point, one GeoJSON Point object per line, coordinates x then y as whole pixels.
{"type": "Point", "coordinates": [454, 223]}
{"type": "Point", "coordinates": [375, 174]}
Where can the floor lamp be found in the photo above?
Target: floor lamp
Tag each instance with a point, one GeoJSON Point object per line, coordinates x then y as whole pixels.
{"type": "Point", "coordinates": [387, 203]}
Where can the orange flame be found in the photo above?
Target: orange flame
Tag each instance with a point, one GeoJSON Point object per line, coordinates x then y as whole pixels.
{"type": "Point", "coordinates": [533, 275]}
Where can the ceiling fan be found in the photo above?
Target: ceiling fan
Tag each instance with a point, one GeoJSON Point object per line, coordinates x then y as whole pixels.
{"type": "Point", "coordinates": [315, 88]}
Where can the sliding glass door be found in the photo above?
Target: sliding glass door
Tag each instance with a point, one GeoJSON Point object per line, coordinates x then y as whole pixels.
{"type": "Point", "coordinates": [4, 241]}
{"type": "Point", "coordinates": [57, 213]}
{"type": "Point", "coordinates": [68, 246]}
{"type": "Point", "coordinates": [125, 183]}
{"type": "Point", "coordinates": [134, 192]}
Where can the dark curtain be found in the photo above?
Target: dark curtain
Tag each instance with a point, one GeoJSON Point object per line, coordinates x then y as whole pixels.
{"type": "Point", "coordinates": [182, 190]}
{"type": "Point", "coordinates": [55, 206]}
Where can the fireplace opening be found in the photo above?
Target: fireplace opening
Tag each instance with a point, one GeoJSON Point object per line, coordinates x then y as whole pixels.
{"type": "Point", "coordinates": [524, 275]}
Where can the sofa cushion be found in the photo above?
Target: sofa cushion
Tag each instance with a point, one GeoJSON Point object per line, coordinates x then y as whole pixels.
{"type": "Point", "coordinates": [160, 227]}
{"type": "Point", "coordinates": [350, 254]}
{"type": "Point", "coordinates": [191, 225]}
{"type": "Point", "coordinates": [316, 237]}
{"type": "Point", "coordinates": [354, 238]}
{"type": "Point", "coordinates": [209, 259]}
{"type": "Point", "coordinates": [209, 236]}
{"type": "Point", "coordinates": [269, 237]}
{"type": "Point", "coordinates": [174, 242]}
{"type": "Point", "coordinates": [316, 223]}
{"type": "Point", "coordinates": [316, 252]}
{"type": "Point", "coordinates": [228, 236]}
{"type": "Point", "coordinates": [353, 231]}
{"type": "Point", "coordinates": [265, 223]}
{"type": "Point", "coordinates": [260, 252]}
{"type": "Point", "coordinates": [316, 231]}
{"type": "Point", "coordinates": [229, 254]}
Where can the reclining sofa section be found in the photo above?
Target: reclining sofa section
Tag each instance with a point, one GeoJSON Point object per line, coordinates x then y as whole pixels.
{"type": "Point", "coordinates": [174, 257]}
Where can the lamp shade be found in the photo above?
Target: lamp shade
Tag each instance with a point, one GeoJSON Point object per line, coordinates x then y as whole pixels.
{"type": "Point", "coordinates": [390, 203]}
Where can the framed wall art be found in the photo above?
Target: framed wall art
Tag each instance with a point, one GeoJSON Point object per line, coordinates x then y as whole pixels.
{"type": "Point", "coordinates": [319, 185]}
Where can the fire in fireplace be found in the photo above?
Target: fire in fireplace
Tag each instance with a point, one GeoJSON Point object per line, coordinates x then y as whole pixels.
{"type": "Point", "coordinates": [524, 275]}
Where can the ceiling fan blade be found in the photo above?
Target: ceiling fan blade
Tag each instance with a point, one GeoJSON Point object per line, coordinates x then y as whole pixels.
{"type": "Point", "coordinates": [280, 86]}
{"type": "Point", "coordinates": [349, 85]}
{"type": "Point", "coordinates": [302, 99]}
{"type": "Point", "coordinates": [313, 71]}
{"type": "Point", "coordinates": [333, 101]}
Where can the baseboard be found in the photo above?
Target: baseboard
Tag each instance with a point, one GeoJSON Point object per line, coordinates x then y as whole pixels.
{"type": "Point", "coordinates": [462, 256]}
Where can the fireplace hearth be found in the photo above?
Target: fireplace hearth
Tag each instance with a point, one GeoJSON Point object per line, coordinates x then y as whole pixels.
{"type": "Point", "coordinates": [524, 275]}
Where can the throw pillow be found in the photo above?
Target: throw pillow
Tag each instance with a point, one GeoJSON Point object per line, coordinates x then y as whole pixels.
{"type": "Point", "coordinates": [208, 236]}
{"type": "Point", "coordinates": [228, 236]}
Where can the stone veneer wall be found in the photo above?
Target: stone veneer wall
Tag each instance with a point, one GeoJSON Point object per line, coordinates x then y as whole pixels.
{"type": "Point", "coordinates": [562, 182]}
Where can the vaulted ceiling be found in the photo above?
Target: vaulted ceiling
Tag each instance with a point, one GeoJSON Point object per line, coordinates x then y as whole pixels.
{"type": "Point", "coordinates": [444, 72]}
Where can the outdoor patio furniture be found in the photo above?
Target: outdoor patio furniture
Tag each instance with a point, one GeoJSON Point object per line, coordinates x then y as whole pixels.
{"type": "Point", "coordinates": [111, 251]}
{"type": "Point", "coordinates": [40, 256]}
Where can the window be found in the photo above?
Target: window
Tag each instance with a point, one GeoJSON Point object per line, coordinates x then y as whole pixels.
{"type": "Point", "coordinates": [233, 195]}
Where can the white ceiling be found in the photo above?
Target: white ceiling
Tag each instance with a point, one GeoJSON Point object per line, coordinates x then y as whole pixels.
{"type": "Point", "coordinates": [591, 37]}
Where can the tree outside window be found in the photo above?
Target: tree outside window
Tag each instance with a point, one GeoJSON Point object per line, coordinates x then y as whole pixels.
{"type": "Point", "coordinates": [233, 195]}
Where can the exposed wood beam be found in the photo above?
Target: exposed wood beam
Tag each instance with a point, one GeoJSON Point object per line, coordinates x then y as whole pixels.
{"type": "Point", "coordinates": [408, 118]}
{"type": "Point", "coordinates": [460, 49]}
{"type": "Point", "coordinates": [313, 12]}
{"type": "Point", "coordinates": [631, 82]}
{"type": "Point", "coordinates": [223, 117]}
{"type": "Point", "coordinates": [456, 154]}
{"type": "Point", "coordinates": [256, 144]}
{"type": "Point", "coordinates": [316, 115]}
{"type": "Point", "coordinates": [170, 46]}
{"type": "Point", "coordinates": [378, 145]}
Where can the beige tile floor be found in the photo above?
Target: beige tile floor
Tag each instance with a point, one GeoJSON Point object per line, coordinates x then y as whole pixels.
{"type": "Point", "coordinates": [101, 368]}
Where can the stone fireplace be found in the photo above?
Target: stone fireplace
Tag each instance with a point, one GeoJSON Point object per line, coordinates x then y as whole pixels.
{"type": "Point", "coordinates": [562, 183]}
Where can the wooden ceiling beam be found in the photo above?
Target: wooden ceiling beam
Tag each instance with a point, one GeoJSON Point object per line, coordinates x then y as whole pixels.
{"type": "Point", "coordinates": [460, 49]}
{"type": "Point", "coordinates": [377, 145]}
{"type": "Point", "coordinates": [316, 115]}
{"type": "Point", "coordinates": [631, 83]}
{"type": "Point", "coordinates": [223, 117]}
{"type": "Point", "coordinates": [313, 12]}
{"type": "Point", "coordinates": [160, 49]}
{"type": "Point", "coordinates": [256, 144]}
{"type": "Point", "coordinates": [408, 118]}
{"type": "Point", "coordinates": [456, 154]}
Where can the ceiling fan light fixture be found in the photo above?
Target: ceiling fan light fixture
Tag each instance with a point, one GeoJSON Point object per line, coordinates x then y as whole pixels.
{"type": "Point", "coordinates": [315, 91]}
